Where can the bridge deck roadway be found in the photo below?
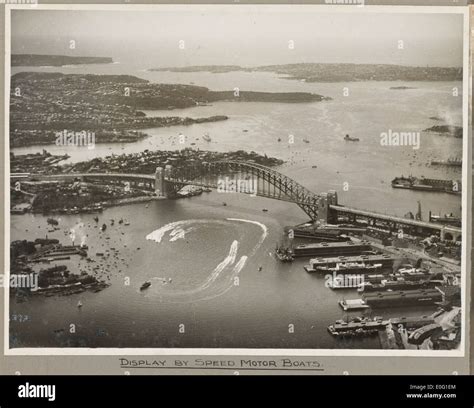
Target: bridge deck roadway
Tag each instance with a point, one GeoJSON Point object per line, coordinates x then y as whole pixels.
{"type": "Point", "coordinates": [338, 208]}
{"type": "Point", "coordinates": [105, 175]}
{"type": "Point", "coordinates": [391, 218]}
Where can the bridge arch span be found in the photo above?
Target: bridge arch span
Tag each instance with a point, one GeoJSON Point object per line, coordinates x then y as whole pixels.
{"type": "Point", "coordinates": [267, 182]}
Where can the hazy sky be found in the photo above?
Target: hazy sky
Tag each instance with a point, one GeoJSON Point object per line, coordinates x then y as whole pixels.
{"type": "Point", "coordinates": [242, 35]}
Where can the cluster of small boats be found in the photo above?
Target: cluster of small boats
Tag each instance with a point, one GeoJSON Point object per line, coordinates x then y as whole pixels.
{"type": "Point", "coordinates": [284, 254]}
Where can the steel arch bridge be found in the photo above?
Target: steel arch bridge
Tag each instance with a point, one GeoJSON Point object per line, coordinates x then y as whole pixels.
{"type": "Point", "coordinates": [266, 182]}
{"type": "Point", "coordinates": [237, 176]}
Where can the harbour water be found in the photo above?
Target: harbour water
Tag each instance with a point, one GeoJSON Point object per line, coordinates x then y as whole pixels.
{"type": "Point", "coordinates": [203, 258]}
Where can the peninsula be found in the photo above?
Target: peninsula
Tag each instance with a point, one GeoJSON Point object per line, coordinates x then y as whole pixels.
{"type": "Point", "coordinates": [315, 72]}
{"type": "Point", "coordinates": [38, 60]}
{"type": "Point", "coordinates": [42, 104]}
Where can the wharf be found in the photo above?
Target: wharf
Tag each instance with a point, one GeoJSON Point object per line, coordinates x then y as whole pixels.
{"type": "Point", "coordinates": [399, 285]}
{"type": "Point", "coordinates": [411, 253]}
{"type": "Point", "coordinates": [402, 298]}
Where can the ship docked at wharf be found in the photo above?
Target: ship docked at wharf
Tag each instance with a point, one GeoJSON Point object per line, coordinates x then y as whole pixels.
{"type": "Point", "coordinates": [448, 219]}
{"type": "Point", "coordinates": [331, 248]}
{"type": "Point", "coordinates": [365, 326]}
{"type": "Point", "coordinates": [402, 293]}
{"type": "Point", "coordinates": [366, 264]}
{"type": "Point", "coordinates": [451, 162]}
{"type": "Point", "coordinates": [428, 184]}
{"type": "Point", "coordinates": [287, 253]}
{"type": "Point", "coordinates": [404, 274]}
{"type": "Point", "coordinates": [391, 285]}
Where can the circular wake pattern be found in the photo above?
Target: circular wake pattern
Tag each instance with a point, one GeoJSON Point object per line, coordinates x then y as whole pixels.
{"type": "Point", "coordinates": [220, 279]}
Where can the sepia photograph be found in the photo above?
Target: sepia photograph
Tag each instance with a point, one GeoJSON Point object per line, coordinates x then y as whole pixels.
{"type": "Point", "coordinates": [239, 177]}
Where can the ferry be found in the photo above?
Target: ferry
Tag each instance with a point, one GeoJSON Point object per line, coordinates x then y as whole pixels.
{"type": "Point", "coordinates": [446, 219]}
{"type": "Point", "coordinates": [145, 285]}
{"type": "Point", "coordinates": [347, 138]}
{"type": "Point", "coordinates": [52, 221]}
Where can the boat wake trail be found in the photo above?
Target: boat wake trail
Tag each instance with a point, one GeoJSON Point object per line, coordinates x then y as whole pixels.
{"type": "Point", "coordinates": [223, 277]}
{"type": "Point", "coordinates": [176, 230]}
{"type": "Point", "coordinates": [262, 226]}
{"type": "Point", "coordinates": [228, 260]}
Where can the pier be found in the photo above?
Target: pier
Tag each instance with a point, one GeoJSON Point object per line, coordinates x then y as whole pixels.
{"type": "Point", "coordinates": [402, 298]}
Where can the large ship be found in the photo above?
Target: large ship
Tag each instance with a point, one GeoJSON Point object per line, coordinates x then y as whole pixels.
{"type": "Point", "coordinates": [352, 281]}
{"type": "Point", "coordinates": [398, 285]}
{"type": "Point", "coordinates": [427, 184]}
{"type": "Point", "coordinates": [410, 273]}
{"type": "Point", "coordinates": [365, 326]}
{"type": "Point", "coordinates": [452, 162]}
{"type": "Point", "coordinates": [384, 260]}
{"type": "Point", "coordinates": [321, 235]}
{"type": "Point", "coordinates": [327, 232]}
{"type": "Point", "coordinates": [350, 267]}
{"type": "Point", "coordinates": [445, 219]}
{"type": "Point", "coordinates": [332, 248]}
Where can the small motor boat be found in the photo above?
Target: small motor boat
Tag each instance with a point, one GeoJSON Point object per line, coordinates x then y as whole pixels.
{"type": "Point", "coordinates": [145, 285]}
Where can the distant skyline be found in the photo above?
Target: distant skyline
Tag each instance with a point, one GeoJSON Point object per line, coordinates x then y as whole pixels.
{"type": "Point", "coordinates": [245, 35]}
